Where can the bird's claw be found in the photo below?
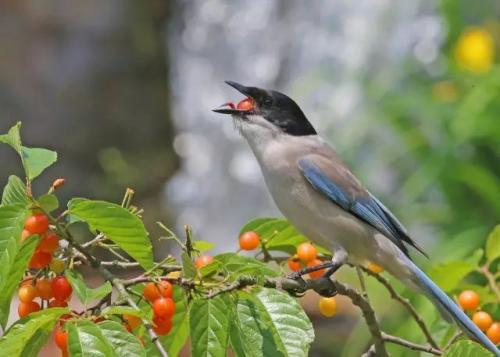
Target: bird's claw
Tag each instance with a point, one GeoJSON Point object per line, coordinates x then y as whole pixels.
{"type": "Point", "coordinates": [324, 287]}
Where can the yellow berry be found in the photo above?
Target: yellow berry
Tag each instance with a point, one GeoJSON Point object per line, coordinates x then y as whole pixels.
{"type": "Point", "coordinates": [328, 306]}
{"type": "Point", "coordinates": [57, 265]}
{"type": "Point", "coordinates": [374, 268]}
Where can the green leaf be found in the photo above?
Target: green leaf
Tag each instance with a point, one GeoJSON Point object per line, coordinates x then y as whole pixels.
{"type": "Point", "coordinates": [15, 192]}
{"type": "Point", "coordinates": [119, 225]}
{"type": "Point", "coordinates": [202, 245]}
{"type": "Point", "coordinates": [12, 219]}
{"type": "Point", "coordinates": [493, 244]}
{"type": "Point", "coordinates": [87, 340]}
{"type": "Point", "coordinates": [466, 348]}
{"type": "Point", "coordinates": [13, 138]}
{"type": "Point", "coordinates": [289, 325]}
{"type": "Point", "coordinates": [249, 334]}
{"type": "Point", "coordinates": [36, 342]}
{"type": "Point", "coordinates": [84, 293]}
{"type": "Point", "coordinates": [18, 339]}
{"type": "Point", "coordinates": [48, 202]}
{"type": "Point", "coordinates": [278, 234]}
{"type": "Point", "coordinates": [178, 335]}
{"type": "Point", "coordinates": [121, 310]}
{"type": "Point", "coordinates": [124, 343]}
{"type": "Point", "coordinates": [188, 268]}
{"type": "Point", "coordinates": [448, 275]}
{"type": "Point", "coordinates": [237, 265]}
{"type": "Point", "coordinates": [209, 321]}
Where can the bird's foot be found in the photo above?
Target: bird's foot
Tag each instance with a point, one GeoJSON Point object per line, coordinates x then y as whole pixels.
{"type": "Point", "coordinates": [324, 286]}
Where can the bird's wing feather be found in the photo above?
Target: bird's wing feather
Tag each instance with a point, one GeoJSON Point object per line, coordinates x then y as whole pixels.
{"type": "Point", "coordinates": [332, 178]}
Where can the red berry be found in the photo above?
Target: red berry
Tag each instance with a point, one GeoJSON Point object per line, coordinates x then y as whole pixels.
{"type": "Point", "coordinates": [40, 260]}
{"type": "Point", "coordinates": [25, 234]}
{"type": "Point", "coordinates": [151, 292]}
{"type": "Point", "coordinates": [249, 240]}
{"type": "Point", "coordinates": [203, 260]}
{"type": "Point", "coordinates": [307, 252]}
{"type": "Point", "coordinates": [61, 288]}
{"type": "Point", "coordinates": [162, 326]}
{"type": "Point", "coordinates": [61, 339]}
{"type": "Point", "coordinates": [164, 307]}
{"type": "Point", "coordinates": [132, 321]}
{"type": "Point", "coordinates": [493, 333]}
{"type": "Point", "coordinates": [166, 289]}
{"type": "Point", "coordinates": [26, 308]}
{"type": "Point", "coordinates": [37, 224]}
{"type": "Point", "coordinates": [57, 303]}
{"type": "Point", "coordinates": [49, 243]}
{"type": "Point", "coordinates": [246, 104]}
{"type": "Point", "coordinates": [44, 287]}
{"type": "Point", "coordinates": [318, 273]}
{"type": "Point", "coordinates": [294, 264]}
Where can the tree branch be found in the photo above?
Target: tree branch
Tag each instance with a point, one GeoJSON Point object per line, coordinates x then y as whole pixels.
{"type": "Point", "coordinates": [412, 346]}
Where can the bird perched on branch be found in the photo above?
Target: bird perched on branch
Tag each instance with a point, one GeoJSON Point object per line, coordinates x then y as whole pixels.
{"type": "Point", "coordinates": [322, 198]}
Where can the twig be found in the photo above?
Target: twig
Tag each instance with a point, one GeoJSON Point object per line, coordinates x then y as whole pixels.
{"type": "Point", "coordinates": [491, 280]}
{"type": "Point", "coordinates": [189, 242]}
{"type": "Point", "coordinates": [370, 352]}
{"type": "Point", "coordinates": [362, 283]}
{"type": "Point", "coordinates": [453, 339]}
{"type": "Point", "coordinates": [412, 346]}
{"type": "Point", "coordinates": [420, 322]}
{"type": "Point", "coordinates": [98, 238]}
{"type": "Point", "coordinates": [172, 235]}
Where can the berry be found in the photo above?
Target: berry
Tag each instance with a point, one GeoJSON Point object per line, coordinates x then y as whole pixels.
{"type": "Point", "coordinates": [294, 264]}
{"type": "Point", "coordinates": [468, 300]}
{"type": "Point", "coordinates": [162, 326]}
{"type": "Point", "coordinates": [249, 240]}
{"type": "Point", "coordinates": [57, 265]}
{"type": "Point", "coordinates": [25, 234]}
{"type": "Point", "coordinates": [61, 288]}
{"type": "Point", "coordinates": [39, 260]}
{"type": "Point", "coordinates": [318, 273]}
{"type": "Point", "coordinates": [132, 321]}
{"type": "Point", "coordinates": [58, 183]}
{"type": "Point", "coordinates": [493, 333]}
{"type": "Point", "coordinates": [27, 293]}
{"type": "Point", "coordinates": [57, 303]}
{"type": "Point", "coordinates": [164, 307]}
{"type": "Point", "coordinates": [37, 224]}
{"type": "Point", "coordinates": [307, 252]}
{"type": "Point", "coordinates": [44, 287]}
{"type": "Point", "coordinates": [203, 260]}
{"type": "Point", "coordinates": [246, 104]}
{"type": "Point", "coordinates": [166, 289]}
{"type": "Point", "coordinates": [49, 243]}
{"type": "Point", "coordinates": [151, 292]}
{"type": "Point", "coordinates": [328, 306]}
{"type": "Point", "coordinates": [26, 308]}
{"type": "Point", "coordinates": [61, 339]}
{"type": "Point", "coordinates": [374, 268]}
{"type": "Point", "coordinates": [482, 320]}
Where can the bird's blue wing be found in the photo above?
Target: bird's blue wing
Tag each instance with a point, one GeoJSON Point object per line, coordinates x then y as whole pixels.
{"type": "Point", "coordinates": [330, 177]}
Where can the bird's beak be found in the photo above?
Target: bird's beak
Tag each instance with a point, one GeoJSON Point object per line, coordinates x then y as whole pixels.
{"type": "Point", "coordinates": [231, 108]}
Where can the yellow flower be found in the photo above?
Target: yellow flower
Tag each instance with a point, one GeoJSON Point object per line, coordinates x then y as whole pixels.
{"type": "Point", "coordinates": [475, 50]}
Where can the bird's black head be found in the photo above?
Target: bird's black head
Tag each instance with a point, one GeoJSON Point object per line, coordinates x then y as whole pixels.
{"type": "Point", "coordinates": [275, 107]}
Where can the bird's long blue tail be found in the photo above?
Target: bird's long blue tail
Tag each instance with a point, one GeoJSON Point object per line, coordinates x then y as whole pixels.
{"type": "Point", "coordinates": [447, 305]}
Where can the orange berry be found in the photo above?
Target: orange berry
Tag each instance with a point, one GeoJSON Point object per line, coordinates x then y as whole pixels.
{"type": "Point", "coordinates": [44, 287]}
{"type": "Point", "coordinates": [40, 260]}
{"type": "Point", "coordinates": [164, 307]}
{"type": "Point", "coordinates": [246, 104]}
{"type": "Point", "coordinates": [469, 300]}
{"type": "Point", "coordinates": [249, 240]}
{"type": "Point", "coordinates": [482, 320]}
{"type": "Point", "coordinates": [26, 308]}
{"type": "Point", "coordinates": [203, 260]}
{"type": "Point", "coordinates": [132, 321]}
{"type": "Point", "coordinates": [374, 268]}
{"type": "Point", "coordinates": [166, 289]}
{"type": "Point", "coordinates": [49, 243]}
{"type": "Point", "coordinates": [318, 273]}
{"type": "Point", "coordinates": [25, 234]}
{"type": "Point", "coordinates": [162, 326]}
{"type": "Point", "coordinates": [27, 293]}
{"type": "Point", "coordinates": [294, 264]}
{"type": "Point", "coordinates": [328, 306]}
{"type": "Point", "coordinates": [151, 292]}
{"type": "Point", "coordinates": [61, 339]}
{"type": "Point", "coordinates": [307, 252]}
{"type": "Point", "coordinates": [493, 333]}
{"type": "Point", "coordinates": [37, 224]}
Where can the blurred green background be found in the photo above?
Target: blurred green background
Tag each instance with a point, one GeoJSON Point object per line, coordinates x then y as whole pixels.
{"type": "Point", "coordinates": [408, 93]}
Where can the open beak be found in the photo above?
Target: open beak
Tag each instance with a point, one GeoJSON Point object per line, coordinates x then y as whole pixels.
{"type": "Point", "coordinates": [231, 108]}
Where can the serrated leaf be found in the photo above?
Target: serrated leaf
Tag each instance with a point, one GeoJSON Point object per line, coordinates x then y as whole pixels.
{"type": "Point", "coordinates": [466, 348]}
{"type": "Point", "coordinates": [209, 322]}
{"type": "Point", "coordinates": [178, 335]}
{"type": "Point", "coordinates": [84, 293]}
{"type": "Point", "coordinates": [289, 325]}
{"type": "Point", "coordinates": [119, 225]}
{"type": "Point", "coordinates": [124, 343]}
{"type": "Point", "coordinates": [87, 340]}
{"type": "Point", "coordinates": [237, 265]}
{"type": "Point", "coordinates": [121, 310]}
{"type": "Point", "coordinates": [188, 268]}
{"type": "Point", "coordinates": [19, 335]}
{"type": "Point", "coordinates": [14, 192]}
{"type": "Point", "coordinates": [279, 235]}
{"type": "Point", "coordinates": [202, 245]}
{"type": "Point", "coordinates": [448, 275]}
{"type": "Point", "coordinates": [249, 335]}
{"type": "Point", "coordinates": [493, 244]}
{"type": "Point", "coordinates": [11, 223]}
{"type": "Point", "coordinates": [48, 202]}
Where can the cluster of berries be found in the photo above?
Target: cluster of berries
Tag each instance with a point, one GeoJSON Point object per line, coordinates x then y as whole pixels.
{"type": "Point", "coordinates": [469, 301]}
{"type": "Point", "coordinates": [160, 297]}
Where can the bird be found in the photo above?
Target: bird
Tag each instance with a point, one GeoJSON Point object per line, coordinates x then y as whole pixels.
{"type": "Point", "coordinates": [320, 196]}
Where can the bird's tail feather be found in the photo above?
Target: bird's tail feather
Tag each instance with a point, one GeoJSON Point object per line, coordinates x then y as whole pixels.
{"type": "Point", "coordinates": [448, 307]}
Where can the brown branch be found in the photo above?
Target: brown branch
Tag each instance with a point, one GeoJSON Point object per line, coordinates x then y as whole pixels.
{"type": "Point", "coordinates": [420, 322]}
{"type": "Point", "coordinates": [412, 346]}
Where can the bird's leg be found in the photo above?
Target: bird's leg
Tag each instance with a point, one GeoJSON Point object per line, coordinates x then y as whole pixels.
{"type": "Point", "coordinates": [339, 259]}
